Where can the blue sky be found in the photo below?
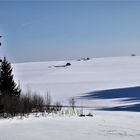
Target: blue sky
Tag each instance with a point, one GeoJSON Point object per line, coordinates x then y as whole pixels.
{"type": "Point", "coordinates": [57, 30]}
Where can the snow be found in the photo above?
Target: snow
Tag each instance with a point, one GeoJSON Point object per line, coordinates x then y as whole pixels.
{"type": "Point", "coordinates": [94, 77]}
{"type": "Point", "coordinates": [80, 78]}
{"type": "Point", "coordinates": [104, 125]}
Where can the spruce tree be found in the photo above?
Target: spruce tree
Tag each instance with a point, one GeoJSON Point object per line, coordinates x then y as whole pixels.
{"type": "Point", "coordinates": [8, 86]}
{"type": "Point", "coordinates": [9, 90]}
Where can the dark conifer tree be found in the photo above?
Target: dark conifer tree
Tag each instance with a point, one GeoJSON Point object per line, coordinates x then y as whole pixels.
{"type": "Point", "coordinates": [9, 91]}
{"type": "Point", "coordinates": [7, 84]}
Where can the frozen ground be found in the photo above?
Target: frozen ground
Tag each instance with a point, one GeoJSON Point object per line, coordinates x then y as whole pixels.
{"type": "Point", "coordinates": [103, 126]}
{"type": "Point", "coordinates": [107, 83]}
{"type": "Point", "coordinates": [82, 78]}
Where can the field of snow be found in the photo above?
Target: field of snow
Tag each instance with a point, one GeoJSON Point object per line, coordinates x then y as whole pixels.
{"type": "Point", "coordinates": [80, 78]}
{"type": "Point", "coordinates": [110, 84]}
{"type": "Point", "coordinates": [103, 126]}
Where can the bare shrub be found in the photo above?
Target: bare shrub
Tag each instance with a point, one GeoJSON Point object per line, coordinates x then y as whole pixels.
{"type": "Point", "coordinates": [48, 101]}
{"type": "Point", "coordinates": [72, 102]}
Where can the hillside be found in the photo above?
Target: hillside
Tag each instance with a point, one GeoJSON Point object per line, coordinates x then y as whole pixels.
{"type": "Point", "coordinates": [82, 77]}
{"type": "Point", "coordinates": [110, 84]}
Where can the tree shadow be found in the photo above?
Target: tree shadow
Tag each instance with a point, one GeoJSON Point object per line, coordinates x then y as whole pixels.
{"type": "Point", "coordinates": [131, 95]}
{"type": "Point", "coordinates": [132, 108]}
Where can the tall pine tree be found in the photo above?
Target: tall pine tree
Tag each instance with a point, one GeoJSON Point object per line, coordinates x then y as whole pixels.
{"type": "Point", "coordinates": [7, 84]}
{"type": "Point", "coordinates": [9, 91]}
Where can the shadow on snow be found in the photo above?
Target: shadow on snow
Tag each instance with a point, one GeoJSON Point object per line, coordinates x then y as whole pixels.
{"type": "Point", "coordinates": [132, 108]}
{"type": "Point", "coordinates": [131, 95]}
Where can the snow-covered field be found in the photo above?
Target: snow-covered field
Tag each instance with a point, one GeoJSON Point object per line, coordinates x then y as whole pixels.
{"type": "Point", "coordinates": [103, 126]}
{"type": "Point", "coordinates": [80, 78]}
{"type": "Point", "coordinates": [105, 83]}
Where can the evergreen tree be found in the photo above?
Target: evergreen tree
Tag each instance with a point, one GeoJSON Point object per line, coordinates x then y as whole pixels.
{"type": "Point", "coordinates": [7, 83]}
{"type": "Point", "coordinates": [9, 90]}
